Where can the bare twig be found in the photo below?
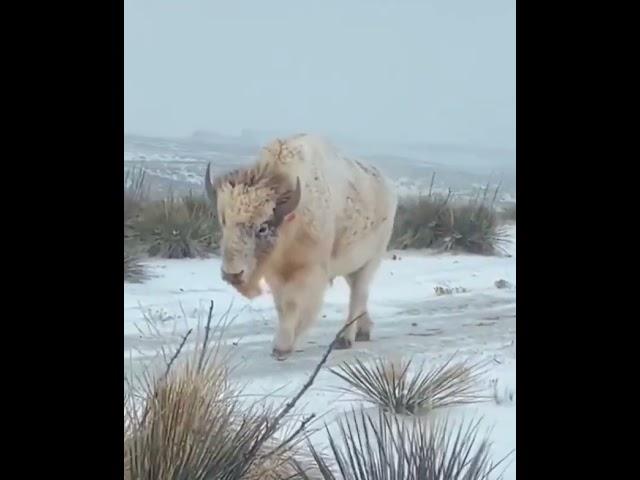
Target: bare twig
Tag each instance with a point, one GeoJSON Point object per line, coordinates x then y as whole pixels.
{"type": "Point", "coordinates": [433, 177]}
{"type": "Point", "coordinates": [442, 206]}
{"type": "Point", "coordinates": [495, 194]}
{"type": "Point", "coordinates": [207, 330]}
{"type": "Point", "coordinates": [313, 376]}
{"type": "Point", "coordinates": [164, 376]}
{"type": "Point", "coordinates": [177, 352]}
{"type": "Point", "coordinates": [291, 437]}
{"type": "Point", "coordinates": [486, 191]}
{"type": "Point", "coordinates": [269, 431]}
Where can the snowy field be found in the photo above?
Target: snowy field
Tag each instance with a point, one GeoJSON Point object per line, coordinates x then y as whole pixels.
{"type": "Point", "coordinates": [177, 165]}
{"type": "Point", "coordinates": [477, 320]}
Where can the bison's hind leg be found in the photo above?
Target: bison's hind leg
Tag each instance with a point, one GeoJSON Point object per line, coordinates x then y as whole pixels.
{"type": "Point", "coordinates": [359, 283]}
{"type": "Point", "coordinates": [363, 332]}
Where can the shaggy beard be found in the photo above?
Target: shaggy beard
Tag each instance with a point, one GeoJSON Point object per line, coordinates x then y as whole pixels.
{"type": "Point", "coordinates": [253, 288]}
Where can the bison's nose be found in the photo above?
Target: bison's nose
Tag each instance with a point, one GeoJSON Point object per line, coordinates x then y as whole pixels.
{"type": "Point", "coordinates": [232, 278]}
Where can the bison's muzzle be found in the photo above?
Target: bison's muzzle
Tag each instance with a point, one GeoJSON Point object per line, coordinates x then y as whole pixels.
{"type": "Point", "coordinates": [234, 279]}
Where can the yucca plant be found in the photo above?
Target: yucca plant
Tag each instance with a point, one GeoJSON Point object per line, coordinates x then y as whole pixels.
{"type": "Point", "coordinates": [199, 206]}
{"type": "Point", "coordinates": [418, 222]}
{"type": "Point", "coordinates": [388, 447]}
{"type": "Point", "coordinates": [509, 213]}
{"type": "Point", "coordinates": [134, 271]}
{"type": "Point", "coordinates": [176, 228]}
{"type": "Point", "coordinates": [394, 388]}
{"type": "Point", "coordinates": [436, 221]}
{"type": "Point", "coordinates": [475, 229]}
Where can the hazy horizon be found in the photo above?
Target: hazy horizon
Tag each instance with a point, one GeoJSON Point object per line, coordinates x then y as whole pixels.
{"type": "Point", "coordinates": [438, 71]}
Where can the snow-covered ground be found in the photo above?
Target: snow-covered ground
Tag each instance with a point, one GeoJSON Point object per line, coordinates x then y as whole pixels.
{"type": "Point", "coordinates": [411, 321]}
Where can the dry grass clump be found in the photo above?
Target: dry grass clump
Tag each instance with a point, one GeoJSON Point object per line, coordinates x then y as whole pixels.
{"type": "Point", "coordinates": [419, 221]}
{"type": "Point", "coordinates": [175, 227]}
{"type": "Point", "coordinates": [393, 388]}
{"type": "Point", "coordinates": [178, 227]}
{"type": "Point", "coordinates": [441, 290]}
{"type": "Point", "coordinates": [438, 221]}
{"type": "Point", "coordinates": [386, 447]}
{"type": "Point", "coordinates": [134, 271]}
{"type": "Point", "coordinates": [509, 213]}
{"type": "Point", "coordinates": [474, 228]}
{"type": "Point", "coordinates": [194, 427]}
{"type": "Point", "coordinates": [135, 194]}
{"type": "Point", "coordinates": [189, 422]}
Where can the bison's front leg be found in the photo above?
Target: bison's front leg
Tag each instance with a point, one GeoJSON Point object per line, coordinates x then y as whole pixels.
{"type": "Point", "coordinates": [249, 290]}
{"type": "Point", "coordinates": [298, 302]}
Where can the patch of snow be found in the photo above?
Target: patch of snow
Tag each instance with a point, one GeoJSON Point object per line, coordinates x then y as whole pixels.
{"type": "Point", "coordinates": [409, 320]}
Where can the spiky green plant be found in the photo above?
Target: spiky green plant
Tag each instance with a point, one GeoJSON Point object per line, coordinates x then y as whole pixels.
{"type": "Point", "coordinates": [388, 447]}
{"type": "Point", "coordinates": [394, 388]}
{"type": "Point", "coordinates": [177, 228]}
{"type": "Point", "coordinates": [199, 206]}
{"type": "Point", "coordinates": [418, 222]}
{"type": "Point", "coordinates": [436, 221]}
{"type": "Point", "coordinates": [475, 228]}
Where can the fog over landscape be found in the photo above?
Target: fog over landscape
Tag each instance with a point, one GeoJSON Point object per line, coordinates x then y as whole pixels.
{"type": "Point", "coordinates": [412, 85]}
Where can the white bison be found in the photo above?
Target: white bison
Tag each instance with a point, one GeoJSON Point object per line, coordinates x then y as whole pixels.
{"type": "Point", "coordinates": [302, 215]}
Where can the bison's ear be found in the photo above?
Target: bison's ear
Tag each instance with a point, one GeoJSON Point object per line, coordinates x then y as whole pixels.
{"type": "Point", "coordinates": [286, 204]}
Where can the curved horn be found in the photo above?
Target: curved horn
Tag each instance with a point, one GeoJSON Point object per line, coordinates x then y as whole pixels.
{"type": "Point", "coordinates": [208, 186]}
{"type": "Point", "coordinates": [289, 205]}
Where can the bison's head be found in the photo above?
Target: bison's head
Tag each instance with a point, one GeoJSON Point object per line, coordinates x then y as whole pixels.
{"type": "Point", "coordinates": [252, 206]}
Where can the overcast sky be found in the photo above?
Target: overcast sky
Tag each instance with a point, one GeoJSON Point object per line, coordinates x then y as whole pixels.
{"type": "Point", "coordinates": [399, 70]}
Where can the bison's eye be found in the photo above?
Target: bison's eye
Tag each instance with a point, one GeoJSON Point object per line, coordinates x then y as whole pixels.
{"type": "Point", "coordinates": [262, 230]}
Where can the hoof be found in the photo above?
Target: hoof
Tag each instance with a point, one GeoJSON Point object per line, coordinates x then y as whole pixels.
{"type": "Point", "coordinates": [280, 355]}
{"type": "Point", "coordinates": [343, 343]}
{"type": "Point", "coordinates": [363, 336]}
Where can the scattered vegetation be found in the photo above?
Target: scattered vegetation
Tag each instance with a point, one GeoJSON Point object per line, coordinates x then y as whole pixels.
{"type": "Point", "coordinates": [509, 213]}
{"type": "Point", "coordinates": [505, 396]}
{"type": "Point", "coordinates": [441, 222]}
{"type": "Point", "coordinates": [474, 228]}
{"type": "Point", "coordinates": [386, 447]}
{"type": "Point", "coordinates": [193, 426]}
{"type": "Point", "coordinates": [503, 284]}
{"type": "Point", "coordinates": [186, 226]}
{"type": "Point", "coordinates": [419, 221]}
{"type": "Point", "coordinates": [135, 194]}
{"type": "Point", "coordinates": [134, 272]}
{"type": "Point", "coordinates": [189, 421]}
{"type": "Point", "coordinates": [174, 227]}
{"type": "Point", "coordinates": [440, 290]}
{"type": "Point", "coordinates": [394, 389]}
